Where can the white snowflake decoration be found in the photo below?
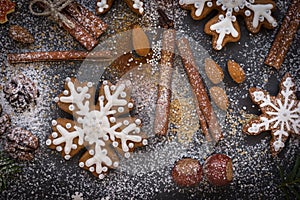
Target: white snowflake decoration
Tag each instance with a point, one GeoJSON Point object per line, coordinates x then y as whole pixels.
{"type": "Point", "coordinates": [280, 114]}
{"type": "Point", "coordinates": [136, 5]}
{"type": "Point", "coordinates": [77, 196]}
{"type": "Point", "coordinates": [102, 5]}
{"type": "Point", "coordinates": [103, 129]}
{"type": "Point", "coordinates": [225, 25]}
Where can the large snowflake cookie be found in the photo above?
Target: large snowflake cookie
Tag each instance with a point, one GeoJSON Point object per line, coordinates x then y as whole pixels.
{"type": "Point", "coordinates": [280, 114]}
{"type": "Point", "coordinates": [224, 27]}
{"type": "Point", "coordinates": [105, 129]}
{"type": "Point", "coordinates": [136, 6]}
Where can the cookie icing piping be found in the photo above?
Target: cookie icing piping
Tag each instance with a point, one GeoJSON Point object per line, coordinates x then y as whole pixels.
{"type": "Point", "coordinates": [96, 127]}
{"type": "Point", "coordinates": [224, 25]}
{"type": "Point", "coordinates": [284, 117]}
{"type": "Point", "coordinates": [102, 5]}
{"type": "Point", "coordinates": [223, 28]}
{"type": "Point", "coordinates": [261, 12]}
{"type": "Point", "coordinates": [198, 4]}
{"type": "Point", "coordinates": [137, 4]}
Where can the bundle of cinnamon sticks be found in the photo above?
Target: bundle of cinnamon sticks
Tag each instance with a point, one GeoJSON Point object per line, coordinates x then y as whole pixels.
{"type": "Point", "coordinates": [87, 26]}
{"type": "Point", "coordinates": [208, 120]}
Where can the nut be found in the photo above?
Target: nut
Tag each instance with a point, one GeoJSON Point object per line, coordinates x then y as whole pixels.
{"type": "Point", "coordinates": [219, 96]}
{"type": "Point", "coordinates": [21, 144]}
{"type": "Point", "coordinates": [213, 71]}
{"type": "Point", "coordinates": [20, 91]}
{"type": "Point", "coordinates": [140, 41]}
{"type": "Point", "coordinates": [218, 169]}
{"type": "Point", "coordinates": [20, 34]}
{"type": "Point", "coordinates": [236, 71]}
{"type": "Point", "coordinates": [187, 172]}
{"type": "Point", "coordinates": [4, 123]}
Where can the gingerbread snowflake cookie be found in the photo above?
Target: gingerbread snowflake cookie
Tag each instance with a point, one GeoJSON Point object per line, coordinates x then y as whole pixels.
{"type": "Point", "coordinates": [6, 7]}
{"type": "Point", "coordinates": [136, 6]}
{"type": "Point", "coordinates": [224, 27]}
{"type": "Point", "coordinates": [280, 114]}
{"type": "Point", "coordinates": [105, 129]}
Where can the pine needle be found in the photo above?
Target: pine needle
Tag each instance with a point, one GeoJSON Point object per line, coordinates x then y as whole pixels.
{"type": "Point", "coordinates": [290, 184]}
{"type": "Point", "coordinates": [8, 168]}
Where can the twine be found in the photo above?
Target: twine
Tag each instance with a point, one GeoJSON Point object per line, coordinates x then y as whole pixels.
{"type": "Point", "coordinates": [53, 9]}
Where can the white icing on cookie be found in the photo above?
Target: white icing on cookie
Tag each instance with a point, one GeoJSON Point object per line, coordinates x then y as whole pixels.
{"type": "Point", "coordinates": [102, 5]}
{"type": "Point", "coordinates": [224, 27]}
{"type": "Point", "coordinates": [230, 4]}
{"type": "Point", "coordinates": [261, 12]}
{"type": "Point", "coordinates": [138, 5]}
{"type": "Point", "coordinates": [96, 128]}
{"type": "Point", "coordinates": [232, 8]}
{"type": "Point", "coordinates": [283, 114]}
{"type": "Point", "coordinates": [198, 4]}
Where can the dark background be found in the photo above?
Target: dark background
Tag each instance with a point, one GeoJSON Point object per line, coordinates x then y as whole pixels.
{"type": "Point", "coordinates": [49, 176]}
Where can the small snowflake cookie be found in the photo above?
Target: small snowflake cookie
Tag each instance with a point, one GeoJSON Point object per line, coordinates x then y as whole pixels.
{"type": "Point", "coordinates": [224, 27]}
{"type": "Point", "coordinates": [77, 196]}
{"type": "Point", "coordinates": [105, 129]}
{"type": "Point", "coordinates": [136, 6]}
{"type": "Point", "coordinates": [280, 114]}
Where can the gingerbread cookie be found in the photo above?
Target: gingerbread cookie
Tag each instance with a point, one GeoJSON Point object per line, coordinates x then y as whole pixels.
{"type": "Point", "coordinates": [280, 114]}
{"type": "Point", "coordinates": [136, 6]}
{"type": "Point", "coordinates": [6, 7]}
{"type": "Point", "coordinates": [105, 130]}
{"type": "Point", "coordinates": [224, 28]}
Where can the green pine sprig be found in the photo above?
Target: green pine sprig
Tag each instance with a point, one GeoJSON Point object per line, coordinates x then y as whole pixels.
{"type": "Point", "coordinates": [8, 168]}
{"type": "Point", "coordinates": [290, 184]}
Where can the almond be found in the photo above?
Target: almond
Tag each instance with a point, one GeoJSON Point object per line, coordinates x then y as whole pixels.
{"type": "Point", "coordinates": [140, 41]}
{"type": "Point", "coordinates": [20, 34]}
{"type": "Point", "coordinates": [213, 71]}
{"type": "Point", "coordinates": [236, 71]}
{"type": "Point", "coordinates": [219, 96]}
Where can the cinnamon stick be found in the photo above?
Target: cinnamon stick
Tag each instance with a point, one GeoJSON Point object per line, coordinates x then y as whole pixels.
{"type": "Point", "coordinates": [80, 34]}
{"type": "Point", "coordinates": [85, 31]}
{"type": "Point", "coordinates": [164, 89]}
{"type": "Point", "coordinates": [13, 58]}
{"type": "Point", "coordinates": [163, 19]}
{"type": "Point", "coordinates": [285, 36]}
{"type": "Point", "coordinates": [204, 110]}
{"type": "Point", "coordinates": [93, 24]}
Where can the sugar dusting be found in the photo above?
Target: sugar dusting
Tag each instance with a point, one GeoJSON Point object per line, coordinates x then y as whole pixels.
{"type": "Point", "coordinates": [146, 175]}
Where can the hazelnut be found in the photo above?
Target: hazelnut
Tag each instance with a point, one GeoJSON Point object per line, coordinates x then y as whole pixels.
{"type": "Point", "coordinates": [187, 172]}
{"type": "Point", "coordinates": [218, 169]}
